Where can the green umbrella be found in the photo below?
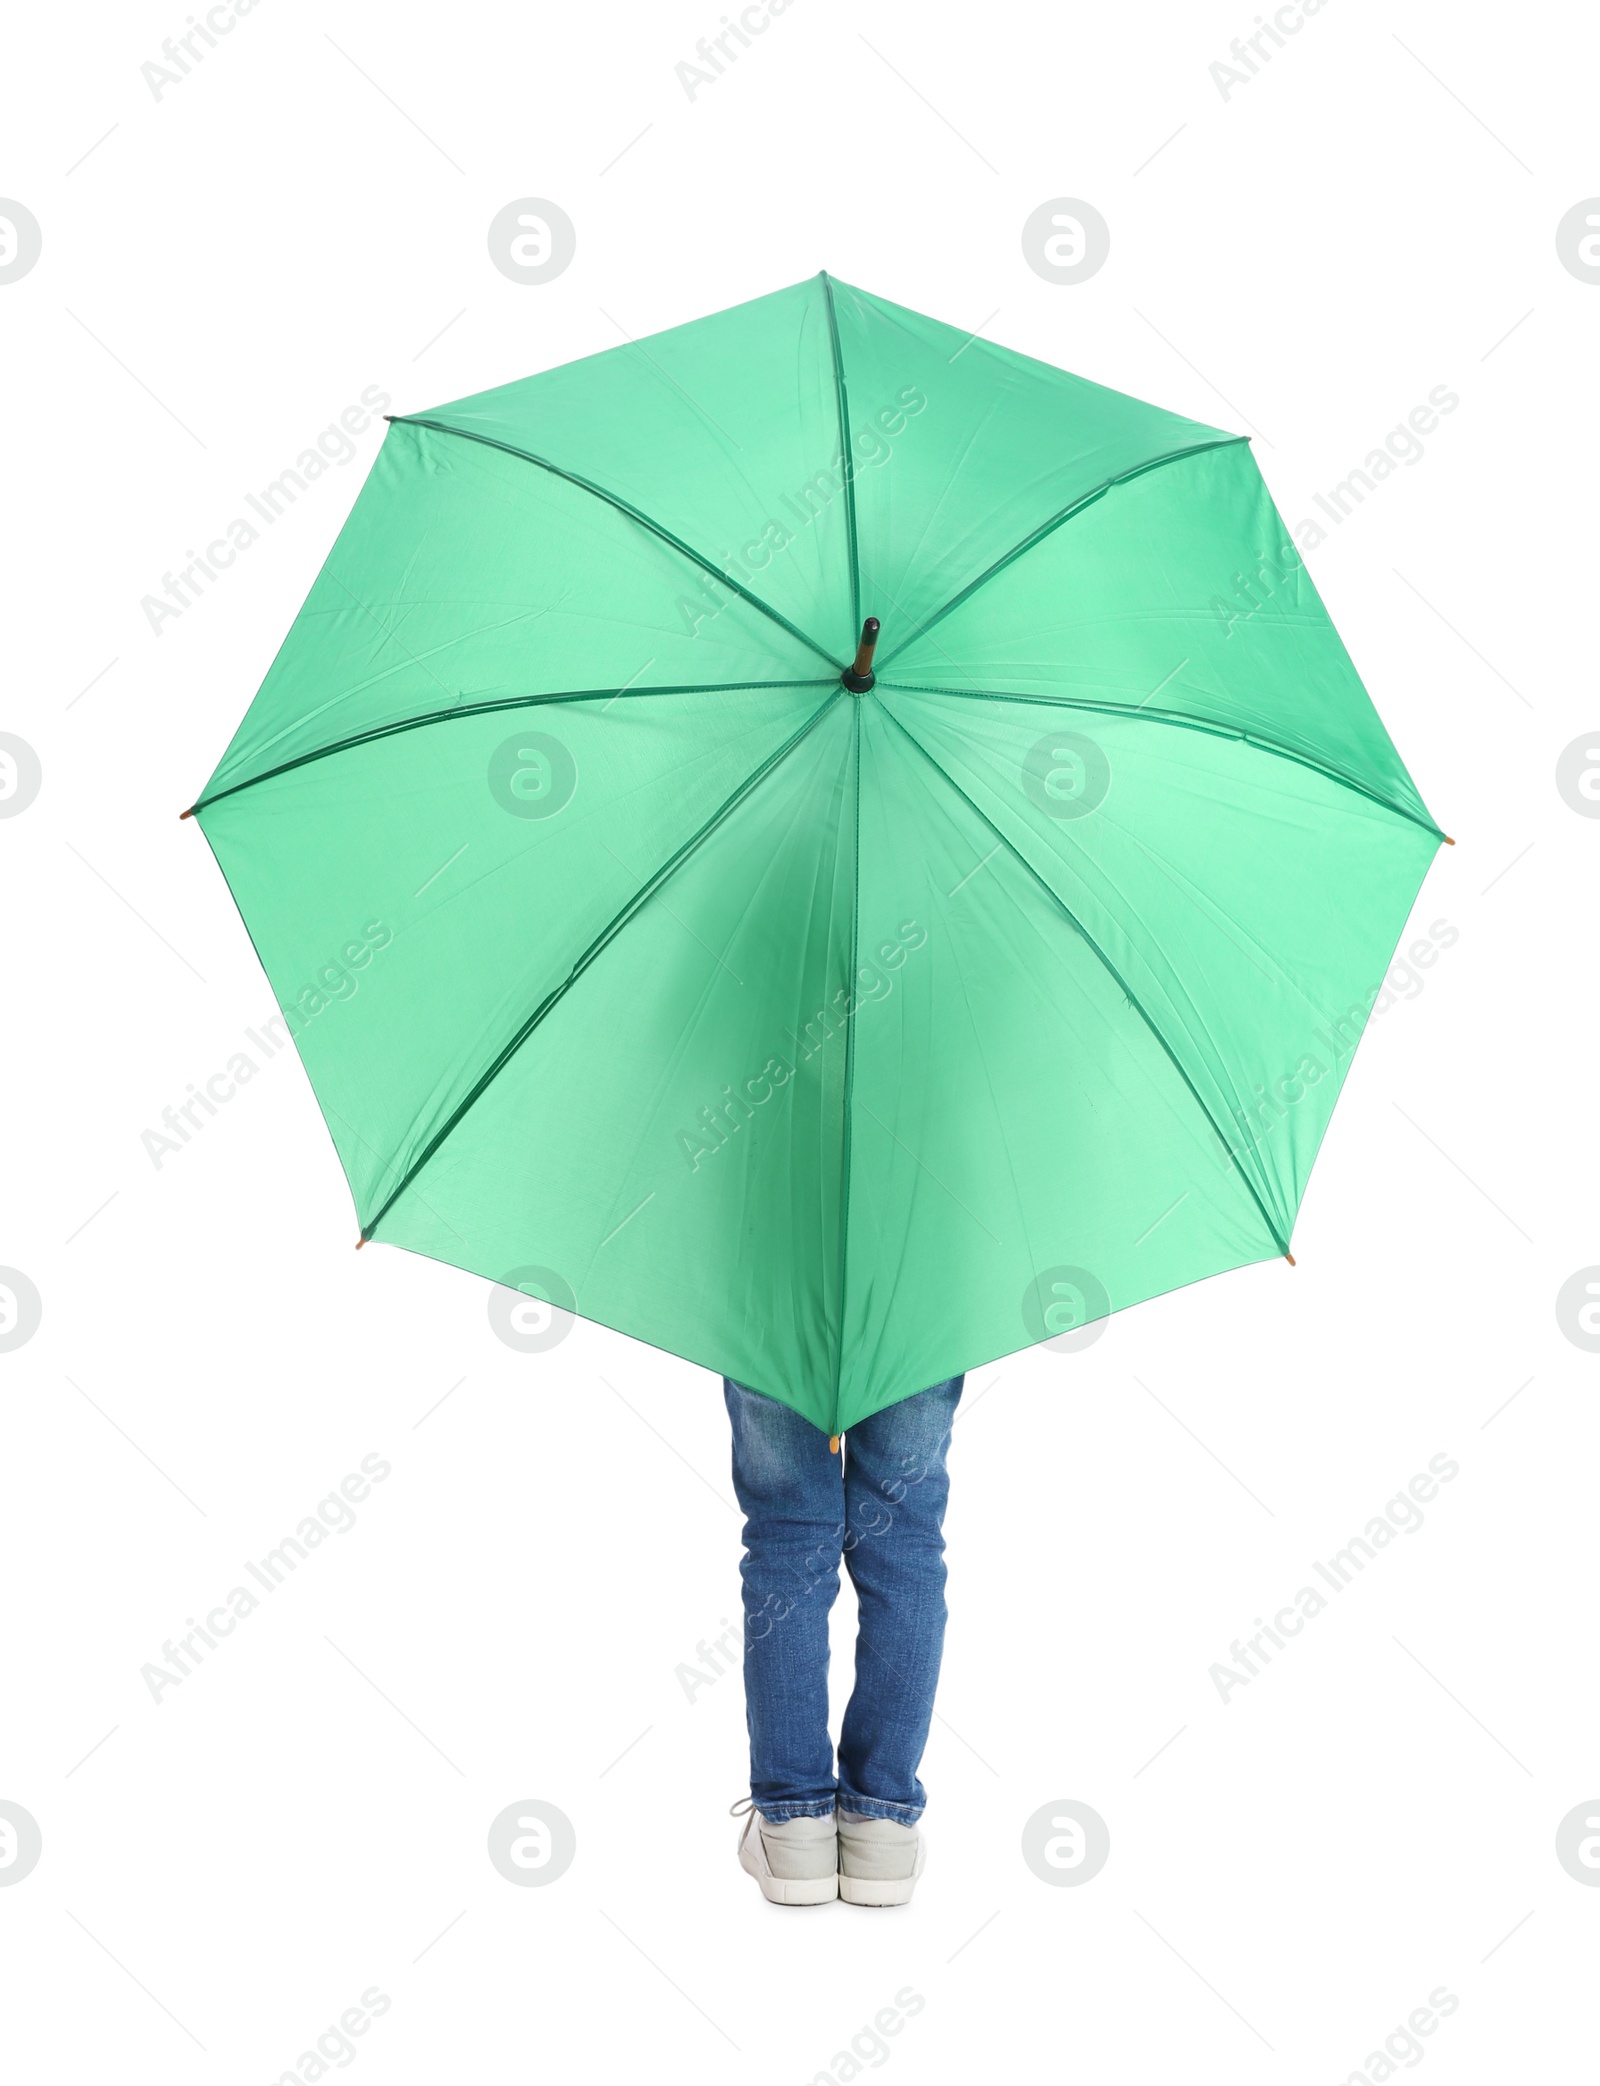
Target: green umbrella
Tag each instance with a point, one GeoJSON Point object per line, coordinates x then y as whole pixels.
{"type": "Point", "coordinates": [839, 1033]}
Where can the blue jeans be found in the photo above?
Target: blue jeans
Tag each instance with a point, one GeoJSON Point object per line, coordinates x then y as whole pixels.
{"type": "Point", "coordinates": [879, 1505]}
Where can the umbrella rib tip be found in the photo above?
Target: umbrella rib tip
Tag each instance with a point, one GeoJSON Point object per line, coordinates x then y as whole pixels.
{"type": "Point", "coordinates": [1288, 1256]}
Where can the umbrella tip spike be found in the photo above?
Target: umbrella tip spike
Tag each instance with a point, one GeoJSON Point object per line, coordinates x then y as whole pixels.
{"type": "Point", "coordinates": [859, 677]}
{"type": "Point", "coordinates": [360, 1242]}
{"type": "Point", "coordinates": [187, 814]}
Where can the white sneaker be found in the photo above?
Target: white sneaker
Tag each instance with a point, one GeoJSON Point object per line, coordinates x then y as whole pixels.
{"type": "Point", "coordinates": [879, 1859]}
{"type": "Point", "coordinates": [795, 1860]}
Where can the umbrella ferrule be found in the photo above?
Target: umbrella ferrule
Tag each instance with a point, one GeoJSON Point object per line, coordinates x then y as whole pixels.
{"type": "Point", "coordinates": [858, 677]}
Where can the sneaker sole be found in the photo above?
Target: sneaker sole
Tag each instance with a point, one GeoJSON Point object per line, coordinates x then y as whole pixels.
{"type": "Point", "coordinates": [799, 1890]}
{"type": "Point", "coordinates": [862, 1890]}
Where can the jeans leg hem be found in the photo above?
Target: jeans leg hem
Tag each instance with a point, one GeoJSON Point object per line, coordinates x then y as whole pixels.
{"type": "Point", "coordinates": [780, 1814]}
{"type": "Point", "coordinates": [871, 1807]}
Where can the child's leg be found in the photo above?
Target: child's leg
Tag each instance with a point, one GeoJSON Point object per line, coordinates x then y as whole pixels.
{"type": "Point", "coordinates": [895, 1486]}
{"type": "Point", "coordinates": [792, 1493]}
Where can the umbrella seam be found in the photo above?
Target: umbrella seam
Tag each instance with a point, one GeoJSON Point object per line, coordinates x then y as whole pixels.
{"type": "Point", "coordinates": [846, 458]}
{"type": "Point", "coordinates": [487, 709]}
{"type": "Point", "coordinates": [1048, 528]}
{"type": "Point", "coordinates": [607, 934]}
{"type": "Point", "coordinates": [1111, 968]}
{"type": "Point", "coordinates": [633, 513]}
{"type": "Point", "coordinates": [1193, 724]}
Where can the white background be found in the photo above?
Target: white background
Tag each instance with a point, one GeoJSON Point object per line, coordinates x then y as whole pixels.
{"type": "Point", "coordinates": [1292, 1872]}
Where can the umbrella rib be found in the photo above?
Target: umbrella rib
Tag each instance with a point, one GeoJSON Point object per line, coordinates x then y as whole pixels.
{"type": "Point", "coordinates": [606, 935]}
{"type": "Point", "coordinates": [1140, 712]}
{"type": "Point", "coordinates": [847, 463]}
{"type": "Point", "coordinates": [633, 513]}
{"type": "Point", "coordinates": [1049, 527]}
{"type": "Point", "coordinates": [485, 709]}
{"type": "Point", "coordinates": [1132, 998]}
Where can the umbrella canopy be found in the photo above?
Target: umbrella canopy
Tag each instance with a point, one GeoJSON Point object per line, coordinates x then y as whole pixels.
{"type": "Point", "coordinates": [838, 1030]}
